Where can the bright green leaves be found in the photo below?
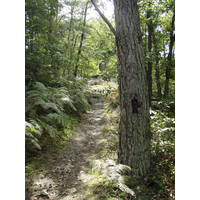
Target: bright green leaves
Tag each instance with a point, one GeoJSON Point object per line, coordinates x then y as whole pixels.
{"type": "Point", "coordinates": [101, 49]}
{"type": "Point", "coordinates": [42, 40]}
{"type": "Point", "coordinates": [32, 131]}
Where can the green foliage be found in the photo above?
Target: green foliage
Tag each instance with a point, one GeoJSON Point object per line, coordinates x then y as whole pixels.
{"type": "Point", "coordinates": [54, 95]}
{"type": "Point", "coordinates": [32, 131]}
{"type": "Point", "coordinates": [42, 41]}
{"type": "Point", "coordinates": [160, 17]}
{"type": "Point", "coordinates": [80, 102]}
{"type": "Point", "coordinates": [162, 148]}
{"type": "Point", "coordinates": [48, 111]}
{"type": "Point", "coordinates": [109, 182]}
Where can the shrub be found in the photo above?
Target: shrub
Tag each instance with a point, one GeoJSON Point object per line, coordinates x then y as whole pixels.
{"type": "Point", "coordinates": [47, 111]}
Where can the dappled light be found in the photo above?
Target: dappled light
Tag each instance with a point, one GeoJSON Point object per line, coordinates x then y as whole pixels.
{"type": "Point", "coordinates": [99, 100]}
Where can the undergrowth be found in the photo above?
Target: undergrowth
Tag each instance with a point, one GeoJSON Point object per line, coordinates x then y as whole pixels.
{"type": "Point", "coordinates": [51, 113]}
{"type": "Point", "coordinates": [49, 110]}
{"type": "Point", "coordinates": [159, 183]}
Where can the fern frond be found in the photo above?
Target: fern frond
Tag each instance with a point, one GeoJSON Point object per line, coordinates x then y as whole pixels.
{"type": "Point", "coordinates": [38, 90]}
{"type": "Point", "coordinates": [80, 102]}
{"type": "Point", "coordinates": [69, 103]}
{"type": "Point", "coordinates": [50, 129]}
{"type": "Point", "coordinates": [62, 119]}
{"type": "Point", "coordinates": [52, 106]}
{"type": "Point", "coordinates": [30, 135]}
{"type": "Point", "coordinates": [121, 169]}
{"type": "Point", "coordinates": [32, 94]}
{"type": "Point", "coordinates": [38, 101]}
{"type": "Point", "coordinates": [29, 126]}
{"type": "Point", "coordinates": [31, 130]}
{"type": "Point", "coordinates": [33, 142]}
{"type": "Point", "coordinates": [125, 188]}
{"type": "Point", "coordinates": [37, 127]}
{"type": "Point", "coordinates": [39, 86]}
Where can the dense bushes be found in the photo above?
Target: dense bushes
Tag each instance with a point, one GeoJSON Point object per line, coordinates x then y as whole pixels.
{"type": "Point", "coordinates": [49, 110]}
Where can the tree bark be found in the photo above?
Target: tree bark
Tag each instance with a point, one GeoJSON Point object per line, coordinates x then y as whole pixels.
{"type": "Point", "coordinates": [134, 132]}
{"type": "Point", "coordinates": [157, 73]}
{"type": "Point", "coordinates": [149, 70]}
{"type": "Point", "coordinates": [71, 22]}
{"type": "Point", "coordinates": [103, 17]}
{"type": "Point", "coordinates": [169, 58]}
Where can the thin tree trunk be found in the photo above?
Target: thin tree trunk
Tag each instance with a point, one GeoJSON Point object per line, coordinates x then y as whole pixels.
{"type": "Point", "coordinates": [50, 40]}
{"type": "Point", "coordinates": [149, 70]}
{"type": "Point", "coordinates": [81, 42]}
{"type": "Point", "coordinates": [32, 32]}
{"type": "Point", "coordinates": [70, 24]}
{"type": "Point", "coordinates": [169, 58]}
{"type": "Point", "coordinates": [33, 67]}
{"type": "Point", "coordinates": [157, 74]}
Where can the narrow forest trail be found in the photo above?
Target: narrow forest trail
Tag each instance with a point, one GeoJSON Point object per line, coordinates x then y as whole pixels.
{"type": "Point", "coordinates": [67, 175]}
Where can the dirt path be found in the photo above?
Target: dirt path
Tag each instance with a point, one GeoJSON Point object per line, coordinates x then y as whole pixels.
{"type": "Point", "coordinates": [67, 176]}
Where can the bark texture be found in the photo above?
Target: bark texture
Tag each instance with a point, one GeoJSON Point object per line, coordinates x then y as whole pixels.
{"type": "Point", "coordinates": [157, 73]}
{"type": "Point", "coordinates": [169, 58]}
{"type": "Point", "coordinates": [134, 132]}
{"type": "Point", "coordinates": [149, 71]}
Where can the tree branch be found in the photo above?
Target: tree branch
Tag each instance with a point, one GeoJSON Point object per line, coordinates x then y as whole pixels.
{"type": "Point", "coordinates": [103, 17]}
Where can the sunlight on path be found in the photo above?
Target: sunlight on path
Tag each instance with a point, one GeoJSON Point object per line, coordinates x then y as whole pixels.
{"type": "Point", "coordinates": [67, 176]}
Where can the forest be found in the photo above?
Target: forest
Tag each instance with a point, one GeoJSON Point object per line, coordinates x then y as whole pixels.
{"type": "Point", "coordinates": [120, 68]}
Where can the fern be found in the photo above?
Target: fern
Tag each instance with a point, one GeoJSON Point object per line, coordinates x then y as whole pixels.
{"type": "Point", "coordinates": [34, 142]}
{"type": "Point", "coordinates": [80, 102]}
{"type": "Point", "coordinates": [121, 169]}
{"type": "Point", "coordinates": [63, 119]}
{"type": "Point", "coordinates": [46, 107]}
{"type": "Point", "coordinates": [32, 131]}
{"type": "Point", "coordinates": [68, 103]}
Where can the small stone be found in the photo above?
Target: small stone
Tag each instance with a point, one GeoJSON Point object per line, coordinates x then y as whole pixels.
{"type": "Point", "coordinates": [44, 192]}
{"type": "Point", "coordinates": [41, 176]}
{"type": "Point", "coordinates": [73, 190]}
{"type": "Point", "coordinates": [110, 162]}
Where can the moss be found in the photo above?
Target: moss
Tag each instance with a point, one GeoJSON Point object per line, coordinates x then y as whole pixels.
{"type": "Point", "coordinates": [102, 188]}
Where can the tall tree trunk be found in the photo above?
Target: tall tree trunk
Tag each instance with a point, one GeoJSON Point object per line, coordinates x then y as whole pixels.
{"type": "Point", "coordinates": [157, 74]}
{"type": "Point", "coordinates": [169, 58]}
{"type": "Point", "coordinates": [71, 22]}
{"type": "Point", "coordinates": [134, 132]}
{"type": "Point", "coordinates": [50, 31]}
{"type": "Point", "coordinates": [149, 70]}
{"type": "Point", "coordinates": [145, 51]}
{"type": "Point", "coordinates": [81, 42]}
{"type": "Point", "coordinates": [33, 67]}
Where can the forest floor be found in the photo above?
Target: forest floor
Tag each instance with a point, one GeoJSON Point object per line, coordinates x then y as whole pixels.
{"type": "Point", "coordinates": [74, 169]}
{"type": "Point", "coordinates": [66, 175]}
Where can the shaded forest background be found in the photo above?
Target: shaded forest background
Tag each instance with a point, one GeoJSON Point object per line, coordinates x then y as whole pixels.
{"type": "Point", "coordinates": [52, 54]}
{"type": "Point", "coordinates": [63, 51]}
